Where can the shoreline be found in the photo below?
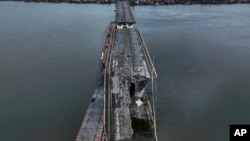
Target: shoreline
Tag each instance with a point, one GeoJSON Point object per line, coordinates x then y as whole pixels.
{"type": "Point", "coordinates": [133, 3]}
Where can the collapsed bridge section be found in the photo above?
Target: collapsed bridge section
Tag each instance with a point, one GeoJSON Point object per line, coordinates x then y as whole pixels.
{"type": "Point", "coordinates": [129, 69]}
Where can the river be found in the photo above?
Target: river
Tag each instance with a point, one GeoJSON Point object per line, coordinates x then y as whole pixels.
{"type": "Point", "coordinates": [49, 66]}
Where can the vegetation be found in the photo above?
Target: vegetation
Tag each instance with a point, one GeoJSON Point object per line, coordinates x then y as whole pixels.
{"type": "Point", "coordinates": [148, 2]}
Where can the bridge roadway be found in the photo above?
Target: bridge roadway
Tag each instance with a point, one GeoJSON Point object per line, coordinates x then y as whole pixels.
{"type": "Point", "coordinates": [128, 64]}
{"type": "Point", "coordinates": [123, 13]}
{"type": "Point", "coordinates": [92, 126]}
{"type": "Point", "coordinates": [121, 94]}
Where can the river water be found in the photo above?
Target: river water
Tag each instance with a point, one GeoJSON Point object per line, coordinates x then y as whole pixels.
{"type": "Point", "coordinates": [49, 61]}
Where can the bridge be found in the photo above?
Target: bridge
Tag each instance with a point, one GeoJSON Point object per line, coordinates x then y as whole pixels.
{"type": "Point", "coordinates": [124, 17]}
{"type": "Point", "coordinates": [127, 74]}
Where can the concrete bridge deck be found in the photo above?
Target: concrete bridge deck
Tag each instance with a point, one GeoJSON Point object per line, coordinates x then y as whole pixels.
{"type": "Point", "coordinates": [92, 125]}
{"type": "Point", "coordinates": [122, 93]}
{"type": "Point", "coordinates": [129, 68]}
{"type": "Point", "coordinates": [123, 13]}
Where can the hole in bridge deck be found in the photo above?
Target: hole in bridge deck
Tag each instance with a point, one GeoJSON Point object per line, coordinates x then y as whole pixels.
{"type": "Point", "coordinates": [93, 99]}
{"type": "Point", "coordinates": [132, 90]}
{"type": "Point", "coordinates": [142, 127]}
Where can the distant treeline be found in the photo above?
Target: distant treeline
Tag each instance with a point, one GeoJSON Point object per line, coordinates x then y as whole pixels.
{"type": "Point", "coordinates": [203, 1]}
{"type": "Point", "coordinates": [146, 2]}
{"type": "Point", "coordinates": [69, 1]}
{"type": "Point", "coordinates": [187, 2]}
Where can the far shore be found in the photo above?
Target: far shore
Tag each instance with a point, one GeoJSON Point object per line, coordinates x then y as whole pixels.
{"type": "Point", "coordinates": [147, 2]}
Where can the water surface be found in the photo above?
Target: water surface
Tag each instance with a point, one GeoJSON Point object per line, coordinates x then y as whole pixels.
{"type": "Point", "coordinates": [202, 57]}
{"type": "Point", "coordinates": [49, 60]}
{"type": "Point", "coordinates": [49, 65]}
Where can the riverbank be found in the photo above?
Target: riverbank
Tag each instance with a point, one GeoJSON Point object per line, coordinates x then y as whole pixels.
{"type": "Point", "coordinates": [147, 2]}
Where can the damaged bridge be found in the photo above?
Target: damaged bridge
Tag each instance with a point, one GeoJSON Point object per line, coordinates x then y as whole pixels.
{"type": "Point", "coordinates": [129, 70]}
{"type": "Point", "coordinates": [127, 76]}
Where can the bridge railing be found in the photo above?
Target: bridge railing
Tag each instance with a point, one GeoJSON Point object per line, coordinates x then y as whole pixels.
{"type": "Point", "coordinates": [148, 58]}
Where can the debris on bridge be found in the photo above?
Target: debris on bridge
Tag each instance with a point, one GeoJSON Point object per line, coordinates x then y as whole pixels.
{"type": "Point", "coordinates": [127, 74]}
